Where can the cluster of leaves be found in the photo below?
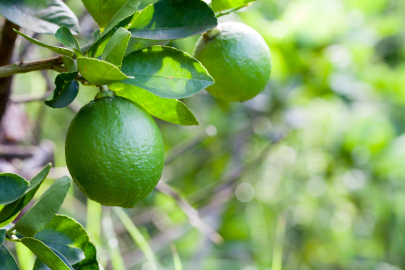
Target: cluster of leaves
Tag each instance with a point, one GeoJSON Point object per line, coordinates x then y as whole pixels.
{"type": "Point", "coordinates": [58, 241]}
{"type": "Point", "coordinates": [128, 51]}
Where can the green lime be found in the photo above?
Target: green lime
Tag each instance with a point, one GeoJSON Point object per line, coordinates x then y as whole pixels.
{"type": "Point", "coordinates": [114, 151]}
{"type": "Point", "coordinates": [238, 59]}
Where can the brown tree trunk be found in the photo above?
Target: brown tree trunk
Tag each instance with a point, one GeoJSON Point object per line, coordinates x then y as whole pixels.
{"type": "Point", "coordinates": [7, 41]}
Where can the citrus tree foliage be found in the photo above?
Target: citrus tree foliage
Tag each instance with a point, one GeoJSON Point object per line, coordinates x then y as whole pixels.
{"type": "Point", "coordinates": [58, 241]}
{"type": "Point", "coordinates": [129, 49]}
{"type": "Point", "coordinates": [129, 55]}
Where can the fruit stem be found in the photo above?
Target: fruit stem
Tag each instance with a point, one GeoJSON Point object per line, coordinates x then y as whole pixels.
{"type": "Point", "coordinates": [104, 88]}
{"type": "Point", "coordinates": [212, 33]}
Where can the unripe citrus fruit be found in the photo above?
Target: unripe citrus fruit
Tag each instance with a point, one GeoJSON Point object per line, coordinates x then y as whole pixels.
{"type": "Point", "coordinates": [114, 151]}
{"type": "Point", "coordinates": [238, 59]}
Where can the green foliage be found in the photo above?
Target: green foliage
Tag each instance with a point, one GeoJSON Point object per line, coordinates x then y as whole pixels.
{"type": "Point", "coordinates": [52, 258]}
{"type": "Point", "coordinates": [170, 110]}
{"type": "Point", "coordinates": [90, 260]}
{"type": "Point", "coordinates": [163, 71]}
{"type": "Point", "coordinates": [41, 16]}
{"type": "Point", "coordinates": [12, 209]}
{"type": "Point", "coordinates": [168, 19]}
{"type": "Point", "coordinates": [66, 236]}
{"type": "Point", "coordinates": [66, 38]}
{"type": "Point", "coordinates": [2, 236]}
{"type": "Point", "coordinates": [58, 241]}
{"type": "Point", "coordinates": [98, 46]}
{"type": "Point", "coordinates": [66, 90]}
{"type": "Point", "coordinates": [7, 260]}
{"type": "Point", "coordinates": [222, 5]}
{"type": "Point", "coordinates": [107, 13]}
{"type": "Point", "coordinates": [136, 44]}
{"type": "Point", "coordinates": [115, 49]}
{"type": "Point", "coordinates": [12, 187]}
{"type": "Point", "coordinates": [166, 72]}
{"type": "Point", "coordinates": [41, 213]}
{"type": "Point", "coordinates": [69, 64]}
{"type": "Point", "coordinates": [59, 50]}
{"type": "Point", "coordinates": [99, 72]}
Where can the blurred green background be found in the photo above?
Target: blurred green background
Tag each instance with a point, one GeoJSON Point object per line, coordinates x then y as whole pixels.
{"type": "Point", "coordinates": [307, 175]}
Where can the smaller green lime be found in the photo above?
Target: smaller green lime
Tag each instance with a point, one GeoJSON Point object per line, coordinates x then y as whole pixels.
{"type": "Point", "coordinates": [238, 59]}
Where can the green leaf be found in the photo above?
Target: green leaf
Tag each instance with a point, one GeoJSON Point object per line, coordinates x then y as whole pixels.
{"type": "Point", "coordinates": [170, 110]}
{"type": "Point", "coordinates": [115, 49]}
{"type": "Point", "coordinates": [66, 90]}
{"type": "Point", "coordinates": [2, 236]}
{"type": "Point", "coordinates": [11, 210]}
{"type": "Point", "coordinates": [68, 39]}
{"type": "Point", "coordinates": [56, 49]}
{"type": "Point", "coordinates": [136, 44]}
{"type": "Point", "coordinates": [41, 16]}
{"type": "Point", "coordinates": [12, 187]}
{"type": "Point", "coordinates": [168, 19]}
{"type": "Point", "coordinates": [69, 64]}
{"type": "Point", "coordinates": [221, 5]}
{"type": "Point", "coordinates": [97, 48]}
{"type": "Point", "coordinates": [99, 72]}
{"type": "Point", "coordinates": [39, 215]}
{"type": "Point", "coordinates": [90, 261]}
{"type": "Point", "coordinates": [7, 261]}
{"type": "Point", "coordinates": [166, 72]}
{"type": "Point", "coordinates": [66, 236]}
{"type": "Point", "coordinates": [52, 258]}
{"type": "Point", "coordinates": [107, 14]}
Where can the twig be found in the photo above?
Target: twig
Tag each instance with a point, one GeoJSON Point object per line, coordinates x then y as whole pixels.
{"type": "Point", "coordinates": [191, 213]}
{"type": "Point", "coordinates": [54, 63]}
{"type": "Point", "coordinates": [29, 97]}
{"type": "Point", "coordinates": [222, 13]}
{"type": "Point", "coordinates": [12, 151]}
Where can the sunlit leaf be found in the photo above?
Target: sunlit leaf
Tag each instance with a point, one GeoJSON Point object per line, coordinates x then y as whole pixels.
{"type": "Point", "coordinates": [222, 5]}
{"type": "Point", "coordinates": [115, 49]}
{"type": "Point", "coordinates": [136, 44]}
{"type": "Point", "coordinates": [97, 48]}
{"type": "Point", "coordinates": [90, 261]}
{"type": "Point", "coordinates": [99, 72]}
{"type": "Point", "coordinates": [170, 110]}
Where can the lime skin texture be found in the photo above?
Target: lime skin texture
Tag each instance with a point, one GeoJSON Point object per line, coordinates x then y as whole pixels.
{"type": "Point", "coordinates": [238, 59]}
{"type": "Point", "coordinates": [114, 151]}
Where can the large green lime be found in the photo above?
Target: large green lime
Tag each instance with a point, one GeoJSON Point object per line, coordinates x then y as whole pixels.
{"type": "Point", "coordinates": [114, 151]}
{"type": "Point", "coordinates": [238, 58]}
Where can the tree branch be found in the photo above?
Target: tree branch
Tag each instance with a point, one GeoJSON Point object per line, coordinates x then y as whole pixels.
{"type": "Point", "coordinates": [54, 63]}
